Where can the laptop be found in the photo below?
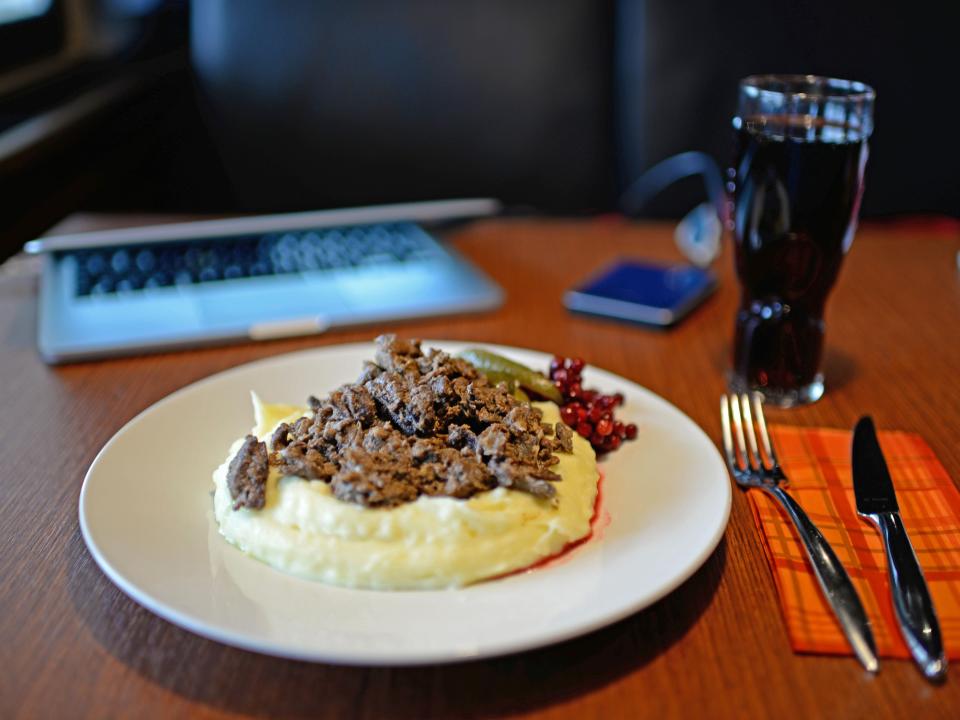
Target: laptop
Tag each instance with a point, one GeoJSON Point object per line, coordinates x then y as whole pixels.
{"type": "Point", "coordinates": [136, 290]}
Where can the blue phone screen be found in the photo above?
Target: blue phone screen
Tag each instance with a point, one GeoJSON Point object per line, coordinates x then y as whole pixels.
{"type": "Point", "coordinates": [650, 285]}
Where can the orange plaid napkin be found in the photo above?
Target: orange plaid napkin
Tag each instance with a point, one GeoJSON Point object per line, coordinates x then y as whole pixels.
{"type": "Point", "coordinates": [817, 461]}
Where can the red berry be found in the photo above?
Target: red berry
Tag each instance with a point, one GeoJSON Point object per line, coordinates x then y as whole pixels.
{"type": "Point", "coordinates": [590, 412]}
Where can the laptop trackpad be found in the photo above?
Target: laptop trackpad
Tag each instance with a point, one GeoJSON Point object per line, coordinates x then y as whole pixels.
{"type": "Point", "coordinates": [272, 299]}
{"type": "Point", "coordinates": [413, 285]}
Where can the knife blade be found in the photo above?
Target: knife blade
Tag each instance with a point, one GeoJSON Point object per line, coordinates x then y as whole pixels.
{"type": "Point", "coordinates": [877, 502]}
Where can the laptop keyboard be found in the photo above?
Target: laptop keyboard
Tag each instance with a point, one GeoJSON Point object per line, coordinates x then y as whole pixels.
{"type": "Point", "coordinates": [134, 268]}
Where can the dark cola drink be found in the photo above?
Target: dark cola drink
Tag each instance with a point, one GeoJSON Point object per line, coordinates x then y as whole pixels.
{"type": "Point", "coordinates": [796, 185]}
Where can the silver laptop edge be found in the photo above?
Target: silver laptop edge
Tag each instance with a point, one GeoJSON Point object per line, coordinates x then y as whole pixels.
{"type": "Point", "coordinates": [72, 328]}
{"type": "Point", "coordinates": [420, 212]}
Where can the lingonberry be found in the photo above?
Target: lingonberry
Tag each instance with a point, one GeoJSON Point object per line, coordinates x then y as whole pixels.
{"type": "Point", "coordinates": [588, 411]}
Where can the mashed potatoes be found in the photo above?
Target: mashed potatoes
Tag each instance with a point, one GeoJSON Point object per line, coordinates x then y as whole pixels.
{"type": "Point", "coordinates": [435, 542]}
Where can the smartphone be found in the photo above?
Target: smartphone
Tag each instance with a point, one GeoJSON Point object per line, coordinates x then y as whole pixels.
{"type": "Point", "coordinates": [658, 295]}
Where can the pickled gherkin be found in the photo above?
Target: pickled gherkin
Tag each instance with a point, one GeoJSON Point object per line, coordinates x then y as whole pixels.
{"type": "Point", "coordinates": [518, 377]}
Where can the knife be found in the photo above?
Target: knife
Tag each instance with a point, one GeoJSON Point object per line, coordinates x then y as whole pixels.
{"type": "Point", "coordinates": [877, 502]}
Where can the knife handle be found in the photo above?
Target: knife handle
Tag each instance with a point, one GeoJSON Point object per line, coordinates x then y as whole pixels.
{"type": "Point", "coordinates": [834, 581]}
{"type": "Point", "coordinates": [911, 597]}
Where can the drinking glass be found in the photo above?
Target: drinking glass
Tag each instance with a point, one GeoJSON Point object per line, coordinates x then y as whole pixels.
{"type": "Point", "coordinates": [795, 186]}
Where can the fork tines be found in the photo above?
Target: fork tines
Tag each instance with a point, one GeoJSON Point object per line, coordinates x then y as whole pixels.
{"type": "Point", "coordinates": [740, 443]}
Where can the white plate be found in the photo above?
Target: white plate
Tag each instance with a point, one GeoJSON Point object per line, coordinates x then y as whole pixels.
{"type": "Point", "coordinates": [147, 517]}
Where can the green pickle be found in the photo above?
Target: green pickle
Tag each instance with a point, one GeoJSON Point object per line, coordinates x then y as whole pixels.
{"type": "Point", "coordinates": [519, 378]}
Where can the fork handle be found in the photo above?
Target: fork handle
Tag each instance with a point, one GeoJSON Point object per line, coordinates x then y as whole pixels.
{"type": "Point", "coordinates": [834, 581]}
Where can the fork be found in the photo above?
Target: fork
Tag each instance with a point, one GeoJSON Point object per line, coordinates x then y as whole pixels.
{"type": "Point", "coordinates": [751, 469]}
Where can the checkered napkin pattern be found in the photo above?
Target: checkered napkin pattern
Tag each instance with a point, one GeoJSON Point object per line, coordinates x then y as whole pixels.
{"type": "Point", "coordinates": [817, 462]}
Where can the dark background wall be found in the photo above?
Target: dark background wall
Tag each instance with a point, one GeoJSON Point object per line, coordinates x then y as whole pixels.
{"type": "Point", "coordinates": [554, 105]}
{"type": "Point", "coordinates": [696, 50]}
{"type": "Point", "coordinates": [347, 103]}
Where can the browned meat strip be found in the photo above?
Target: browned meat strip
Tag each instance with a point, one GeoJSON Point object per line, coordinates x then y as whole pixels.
{"type": "Point", "coordinates": [372, 479]}
{"type": "Point", "coordinates": [302, 461]}
{"type": "Point", "coordinates": [247, 475]}
{"type": "Point", "coordinates": [564, 437]}
{"type": "Point", "coordinates": [514, 475]}
{"type": "Point", "coordinates": [355, 402]}
{"type": "Point", "coordinates": [420, 423]}
{"type": "Point", "coordinates": [461, 436]}
{"type": "Point", "coordinates": [280, 437]}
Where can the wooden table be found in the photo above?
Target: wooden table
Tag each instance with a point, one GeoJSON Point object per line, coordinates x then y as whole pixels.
{"type": "Point", "coordinates": [72, 645]}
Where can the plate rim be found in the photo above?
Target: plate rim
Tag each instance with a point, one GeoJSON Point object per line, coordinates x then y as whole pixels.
{"type": "Point", "coordinates": [390, 658]}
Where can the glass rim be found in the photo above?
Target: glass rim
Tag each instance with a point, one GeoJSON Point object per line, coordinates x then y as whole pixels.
{"type": "Point", "coordinates": [820, 87]}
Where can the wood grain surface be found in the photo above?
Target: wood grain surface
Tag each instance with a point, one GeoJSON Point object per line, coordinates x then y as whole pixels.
{"type": "Point", "coordinates": [72, 645]}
